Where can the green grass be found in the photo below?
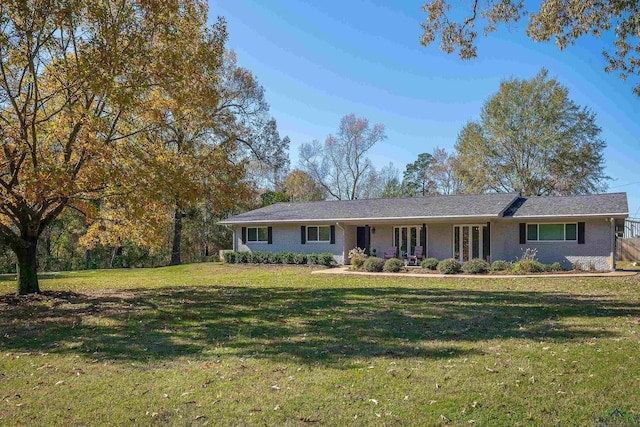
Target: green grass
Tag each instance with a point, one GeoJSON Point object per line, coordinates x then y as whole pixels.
{"type": "Point", "coordinates": [627, 265]}
{"type": "Point", "coordinates": [256, 345]}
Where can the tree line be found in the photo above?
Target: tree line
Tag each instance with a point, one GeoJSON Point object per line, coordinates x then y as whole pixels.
{"type": "Point", "coordinates": [530, 138]}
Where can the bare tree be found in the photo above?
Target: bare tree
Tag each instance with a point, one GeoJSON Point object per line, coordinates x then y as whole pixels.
{"type": "Point", "coordinates": [340, 165]}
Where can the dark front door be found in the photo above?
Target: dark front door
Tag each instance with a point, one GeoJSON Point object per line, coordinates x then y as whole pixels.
{"type": "Point", "coordinates": [363, 238]}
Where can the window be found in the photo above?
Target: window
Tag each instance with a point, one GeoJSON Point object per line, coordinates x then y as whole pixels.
{"type": "Point", "coordinates": [258, 234]}
{"type": "Point", "coordinates": [552, 232]}
{"type": "Point", "coordinates": [468, 242]}
{"type": "Point", "coordinates": [318, 233]}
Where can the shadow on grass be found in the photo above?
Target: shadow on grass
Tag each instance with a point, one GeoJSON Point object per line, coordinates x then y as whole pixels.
{"type": "Point", "coordinates": [333, 326]}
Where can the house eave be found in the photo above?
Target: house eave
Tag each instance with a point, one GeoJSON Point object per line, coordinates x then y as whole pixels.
{"type": "Point", "coordinates": [360, 220]}
{"type": "Point", "coordinates": [599, 215]}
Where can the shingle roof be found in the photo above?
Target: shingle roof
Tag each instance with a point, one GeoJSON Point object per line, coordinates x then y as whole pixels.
{"type": "Point", "coordinates": [457, 206]}
{"type": "Point", "coordinates": [431, 207]}
{"type": "Point", "coordinates": [587, 205]}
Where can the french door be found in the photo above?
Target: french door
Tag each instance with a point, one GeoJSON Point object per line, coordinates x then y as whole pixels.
{"type": "Point", "coordinates": [406, 238]}
{"type": "Point", "coordinates": [467, 242]}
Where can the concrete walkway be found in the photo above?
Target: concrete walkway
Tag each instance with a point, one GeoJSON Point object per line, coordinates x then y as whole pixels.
{"type": "Point", "coordinates": [345, 270]}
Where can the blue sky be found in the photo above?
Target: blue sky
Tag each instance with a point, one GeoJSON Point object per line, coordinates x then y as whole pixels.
{"type": "Point", "coordinates": [321, 60]}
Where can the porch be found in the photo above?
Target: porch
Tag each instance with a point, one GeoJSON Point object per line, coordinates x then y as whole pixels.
{"type": "Point", "coordinates": [438, 240]}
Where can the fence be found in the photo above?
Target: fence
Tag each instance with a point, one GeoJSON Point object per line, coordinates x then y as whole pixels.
{"type": "Point", "coordinates": [631, 228]}
{"type": "Point", "coordinates": [628, 249]}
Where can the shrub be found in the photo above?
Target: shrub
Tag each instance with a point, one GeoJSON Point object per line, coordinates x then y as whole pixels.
{"type": "Point", "coordinates": [556, 266]}
{"type": "Point", "coordinates": [357, 253]}
{"type": "Point", "coordinates": [230, 257]}
{"type": "Point", "coordinates": [288, 257]}
{"type": "Point", "coordinates": [312, 258]}
{"type": "Point", "coordinates": [300, 258]}
{"type": "Point", "coordinates": [501, 265]}
{"type": "Point", "coordinates": [449, 266]}
{"type": "Point", "coordinates": [273, 258]}
{"type": "Point", "coordinates": [325, 259]}
{"type": "Point", "coordinates": [374, 264]}
{"type": "Point", "coordinates": [357, 263]}
{"type": "Point", "coordinates": [476, 266]}
{"type": "Point", "coordinates": [429, 263]}
{"type": "Point", "coordinates": [529, 254]}
{"type": "Point", "coordinates": [357, 257]}
{"type": "Point", "coordinates": [527, 266]}
{"type": "Point", "coordinates": [393, 265]}
{"type": "Point", "coordinates": [256, 257]}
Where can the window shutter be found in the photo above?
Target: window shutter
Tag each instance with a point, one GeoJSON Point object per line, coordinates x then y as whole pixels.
{"type": "Point", "coordinates": [244, 235]}
{"type": "Point", "coordinates": [303, 234]}
{"type": "Point", "coordinates": [486, 242]}
{"type": "Point", "coordinates": [523, 233]}
{"type": "Point", "coordinates": [269, 235]}
{"type": "Point", "coordinates": [367, 239]}
{"type": "Point", "coordinates": [423, 238]}
{"type": "Point", "coordinates": [581, 233]}
{"type": "Point", "coordinates": [333, 234]}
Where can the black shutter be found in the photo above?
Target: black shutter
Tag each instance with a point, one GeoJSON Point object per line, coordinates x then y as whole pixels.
{"type": "Point", "coordinates": [486, 242]}
{"type": "Point", "coordinates": [303, 234]}
{"type": "Point", "coordinates": [244, 235]}
{"type": "Point", "coordinates": [270, 235]}
{"type": "Point", "coordinates": [581, 233]}
{"type": "Point", "coordinates": [333, 234]}
{"type": "Point", "coordinates": [523, 233]}
{"type": "Point", "coordinates": [367, 238]}
{"type": "Point", "coordinates": [423, 239]}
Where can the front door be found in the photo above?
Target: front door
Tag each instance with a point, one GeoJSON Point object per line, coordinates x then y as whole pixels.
{"type": "Point", "coordinates": [467, 242]}
{"type": "Point", "coordinates": [363, 238]}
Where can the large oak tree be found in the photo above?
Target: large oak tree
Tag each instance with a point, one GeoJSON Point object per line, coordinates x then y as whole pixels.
{"type": "Point", "coordinates": [532, 137]}
{"type": "Point", "coordinates": [74, 78]}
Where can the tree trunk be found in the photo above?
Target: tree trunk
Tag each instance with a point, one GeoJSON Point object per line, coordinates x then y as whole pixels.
{"type": "Point", "coordinates": [177, 236]}
{"type": "Point", "coordinates": [117, 251]}
{"type": "Point", "coordinates": [26, 254]}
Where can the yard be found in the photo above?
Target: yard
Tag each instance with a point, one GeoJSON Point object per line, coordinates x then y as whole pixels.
{"type": "Point", "coordinates": [254, 345]}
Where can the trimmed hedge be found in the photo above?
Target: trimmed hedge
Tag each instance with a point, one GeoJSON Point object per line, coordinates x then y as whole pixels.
{"type": "Point", "coordinates": [393, 265]}
{"type": "Point", "coordinates": [357, 263]}
{"type": "Point", "coordinates": [374, 265]}
{"type": "Point", "coordinates": [476, 266]}
{"type": "Point", "coordinates": [429, 263]}
{"type": "Point", "coordinates": [527, 266]}
{"type": "Point", "coordinates": [556, 266]}
{"type": "Point", "coordinates": [501, 265]}
{"type": "Point", "coordinates": [256, 257]}
{"type": "Point", "coordinates": [449, 266]}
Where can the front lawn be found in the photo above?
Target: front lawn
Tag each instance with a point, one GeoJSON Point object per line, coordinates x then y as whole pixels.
{"type": "Point", "coordinates": [255, 345]}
